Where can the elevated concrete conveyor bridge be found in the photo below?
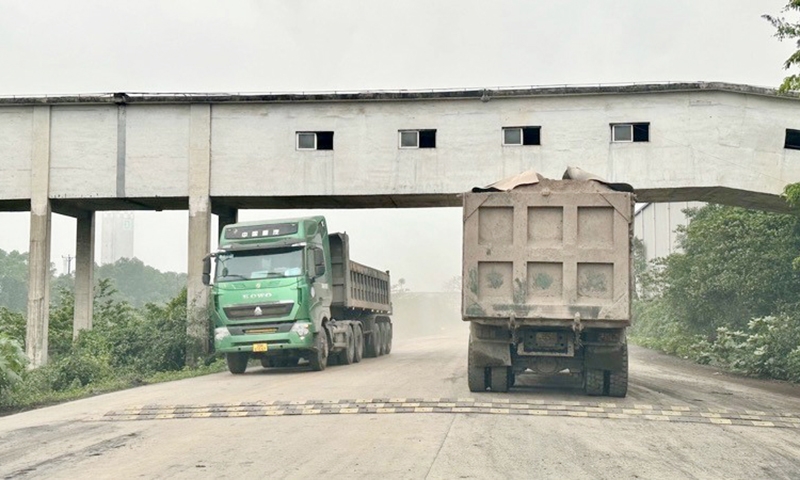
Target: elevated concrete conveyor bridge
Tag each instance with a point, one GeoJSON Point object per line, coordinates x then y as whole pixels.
{"type": "Point", "coordinates": [218, 153]}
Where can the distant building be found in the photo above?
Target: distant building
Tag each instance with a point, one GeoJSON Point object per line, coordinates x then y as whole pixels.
{"type": "Point", "coordinates": [117, 234]}
{"type": "Point", "coordinates": [655, 224]}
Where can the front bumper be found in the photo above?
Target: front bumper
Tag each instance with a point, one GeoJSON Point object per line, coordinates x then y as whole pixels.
{"type": "Point", "coordinates": [274, 341]}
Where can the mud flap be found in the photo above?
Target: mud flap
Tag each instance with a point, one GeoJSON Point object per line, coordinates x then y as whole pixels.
{"type": "Point", "coordinates": [488, 354]}
{"type": "Point", "coordinates": [604, 357]}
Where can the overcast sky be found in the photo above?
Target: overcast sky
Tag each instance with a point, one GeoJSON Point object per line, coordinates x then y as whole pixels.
{"type": "Point", "coordinates": [79, 46]}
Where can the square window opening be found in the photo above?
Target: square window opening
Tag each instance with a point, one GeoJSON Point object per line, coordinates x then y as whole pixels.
{"type": "Point", "coordinates": [306, 141]}
{"type": "Point", "coordinates": [792, 140]}
{"type": "Point", "coordinates": [427, 139]}
{"type": "Point", "coordinates": [512, 136]}
{"type": "Point", "coordinates": [531, 136]}
{"type": "Point", "coordinates": [409, 138]}
{"type": "Point", "coordinates": [622, 133]}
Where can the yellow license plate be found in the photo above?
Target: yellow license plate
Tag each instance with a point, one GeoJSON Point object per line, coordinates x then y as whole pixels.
{"type": "Point", "coordinates": [260, 347]}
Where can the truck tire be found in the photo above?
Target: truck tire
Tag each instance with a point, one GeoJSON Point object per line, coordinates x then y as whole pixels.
{"type": "Point", "coordinates": [476, 376]}
{"type": "Point", "coordinates": [358, 337]}
{"type": "Point", "coordinates": [387, 349]}
{"type": "Point", "coordinates": [347, 355]}
{"type": "Point", "coordinates": [499, 379]}
{"type": "Point", "coordinates": [593, 381]}
{"type": "Point", "coordinates": [381, 338]}
{"type": "Point", "coordinates": [319, 356]}
{"type": "Point", "coordinates": [372, 349]}
{"type": "Point", "coordinates": [237, 362]}
{"type": "Point", "coordinates": [617, 384]}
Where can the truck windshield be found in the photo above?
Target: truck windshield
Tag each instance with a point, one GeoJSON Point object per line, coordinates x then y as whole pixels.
{"type": "Point", "coordinates": [253, 264]}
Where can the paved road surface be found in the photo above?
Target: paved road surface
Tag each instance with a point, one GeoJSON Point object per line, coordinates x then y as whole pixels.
{"type": "Point", "coordinates": [410, 415]}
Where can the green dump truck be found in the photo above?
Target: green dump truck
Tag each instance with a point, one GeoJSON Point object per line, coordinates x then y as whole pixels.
{"type": "Point", "coordinates": [286, 291]}
{"type": "Point", "coordinates": [547, 282]}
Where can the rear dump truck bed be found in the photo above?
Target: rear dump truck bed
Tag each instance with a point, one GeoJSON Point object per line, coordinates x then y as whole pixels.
{"type": "Point", "coordinates": [361, 294]}
{"type": "Point", "coordinates": [356, 286]}
{"type": "Point", "coordinates": [547, 282]}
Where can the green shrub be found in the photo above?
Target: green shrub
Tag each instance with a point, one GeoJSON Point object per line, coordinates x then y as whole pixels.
{"type": "Point", "coordinates": [12, 362]}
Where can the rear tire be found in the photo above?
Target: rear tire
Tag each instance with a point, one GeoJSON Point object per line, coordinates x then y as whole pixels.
{"type": "Point", "coordinates": [593, 381]}
{"type": "Point", "coordinates": [618, 380]}
{"type": "Point", "coordinates": [319, 356]}
{"type": "Point", "coordinates": [347, 355]}
{"type": "Point", "coordinates": [476, 376]}
{"type": "Point", "coordinates": [358, 336]}
{"type": "Point", "coordinates": [387, 349]}
{"type": "Point", "coordinates": [381, 338]}
{"type": "Point", "coordinates": [372, 345]}
{"type": "Point", "coordinates": [499, 379]}
{"type": "Point", "coordinates": [237, 362]}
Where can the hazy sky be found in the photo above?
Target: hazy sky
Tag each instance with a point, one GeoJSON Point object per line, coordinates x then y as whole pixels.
{"type": "Point", "coordinates": [79, 46]}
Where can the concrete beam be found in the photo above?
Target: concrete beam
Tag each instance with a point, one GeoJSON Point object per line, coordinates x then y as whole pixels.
{"type": "Point", "coordinates": [84, 274]}
{"type": "Point", "coordinates": [36, 333]}
{"type": "Point", "coordinates": [197, 327]}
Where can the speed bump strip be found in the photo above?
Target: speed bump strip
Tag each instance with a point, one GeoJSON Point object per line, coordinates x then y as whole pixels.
{"type": "Point", "coordinates": [658, 413]}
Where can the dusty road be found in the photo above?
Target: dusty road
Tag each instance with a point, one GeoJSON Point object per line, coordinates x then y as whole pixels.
{"type": "Point", "coordinates": [410, 415]}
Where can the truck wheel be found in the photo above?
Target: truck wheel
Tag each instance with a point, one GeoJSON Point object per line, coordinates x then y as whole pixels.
{"type": "Point", "coordinates": [371, 344]}
{"type": "Point", "coordinates": [476, 376]}
{"type": "Point", "coordinates": [499, 379]}
{"type": "Point", "coordinates": [593, 381]}
{"type": "Point", "coordinates": [347, 355]}
{"type": "Point", "coordinates": [237, 361]}
{"type": "Point", "coordinates": [358, 337]}
{"type": "Point", "coordinates": [476, 379]}
{"type": "Point", "coordinates": [387, 349]}
{"type": "Point", "coordinates": [319, 356]}
{"type": "Point", "coordinates": [617, 385]}
{"type": "Point", "coordinates": [381, 339]}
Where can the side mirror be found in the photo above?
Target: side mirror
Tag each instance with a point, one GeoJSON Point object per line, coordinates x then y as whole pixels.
{"type": "Point", "coordinates": [207, 271]}
{"type": "Point", "coordinates": [319, 263]}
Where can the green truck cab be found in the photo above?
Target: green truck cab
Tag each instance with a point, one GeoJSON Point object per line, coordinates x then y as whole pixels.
{"type": "Point", "coordinates": [285, 291]}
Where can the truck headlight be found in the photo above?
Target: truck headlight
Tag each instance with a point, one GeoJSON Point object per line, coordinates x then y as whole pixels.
{"type": "Point", "coordinates": [221, 333]}
{"type": "Point", "coordinates": [300, 328]}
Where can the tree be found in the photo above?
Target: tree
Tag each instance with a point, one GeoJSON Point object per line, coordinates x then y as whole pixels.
{"type": "Point", "coordinates": [736, 265]}
{"type": "Point", "coordinates": [788, 29]}
{"type": "Point", "coordinates": [400, 286]}
{"type": "Point", "coordinates": [140, 284]}
{"type": "Point", "coordinates": [14, 280]}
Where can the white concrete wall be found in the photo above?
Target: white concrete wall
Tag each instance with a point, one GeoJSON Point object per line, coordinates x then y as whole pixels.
{"type": "Point", "coordinates": [83, 151]}
{"type": "Point", "coordinates": [699, 138]}
{"type": "Point", "coordinates": [16, 148]}
{"type": "Point", "coordinates": [156, 150]}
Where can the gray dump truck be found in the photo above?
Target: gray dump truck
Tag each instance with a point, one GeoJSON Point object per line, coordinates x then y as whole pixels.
{"type": "Point", "coordinates": [547, 281]}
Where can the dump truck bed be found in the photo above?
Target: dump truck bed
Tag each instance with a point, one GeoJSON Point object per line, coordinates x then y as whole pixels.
{"type": "Point", "coordinates": [549, 253]}
{"type": "Point", "coordinates": [357, 286]}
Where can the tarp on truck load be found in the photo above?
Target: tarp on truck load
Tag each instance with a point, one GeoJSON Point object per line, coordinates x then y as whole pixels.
{"type": "Point", "coordinates": [530, 177]}
{"type": "Point", "coordinates": [548, 250]}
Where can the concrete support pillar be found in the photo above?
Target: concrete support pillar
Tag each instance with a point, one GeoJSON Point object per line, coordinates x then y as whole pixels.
{"type": "Point", "coordinates": [39, 253]}
{"type": "Point", "coordinates": [197, 326]}
{"type": "Point", "coordinates": [226, 216]}
{"type": "Point", "coordinates": [84, 275]}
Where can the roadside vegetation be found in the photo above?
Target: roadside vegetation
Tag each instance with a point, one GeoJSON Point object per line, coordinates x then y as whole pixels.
{"type": "Point", "coordinates": [731, 297]}
{"type": "Point", "coordinates": [127, 346]}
